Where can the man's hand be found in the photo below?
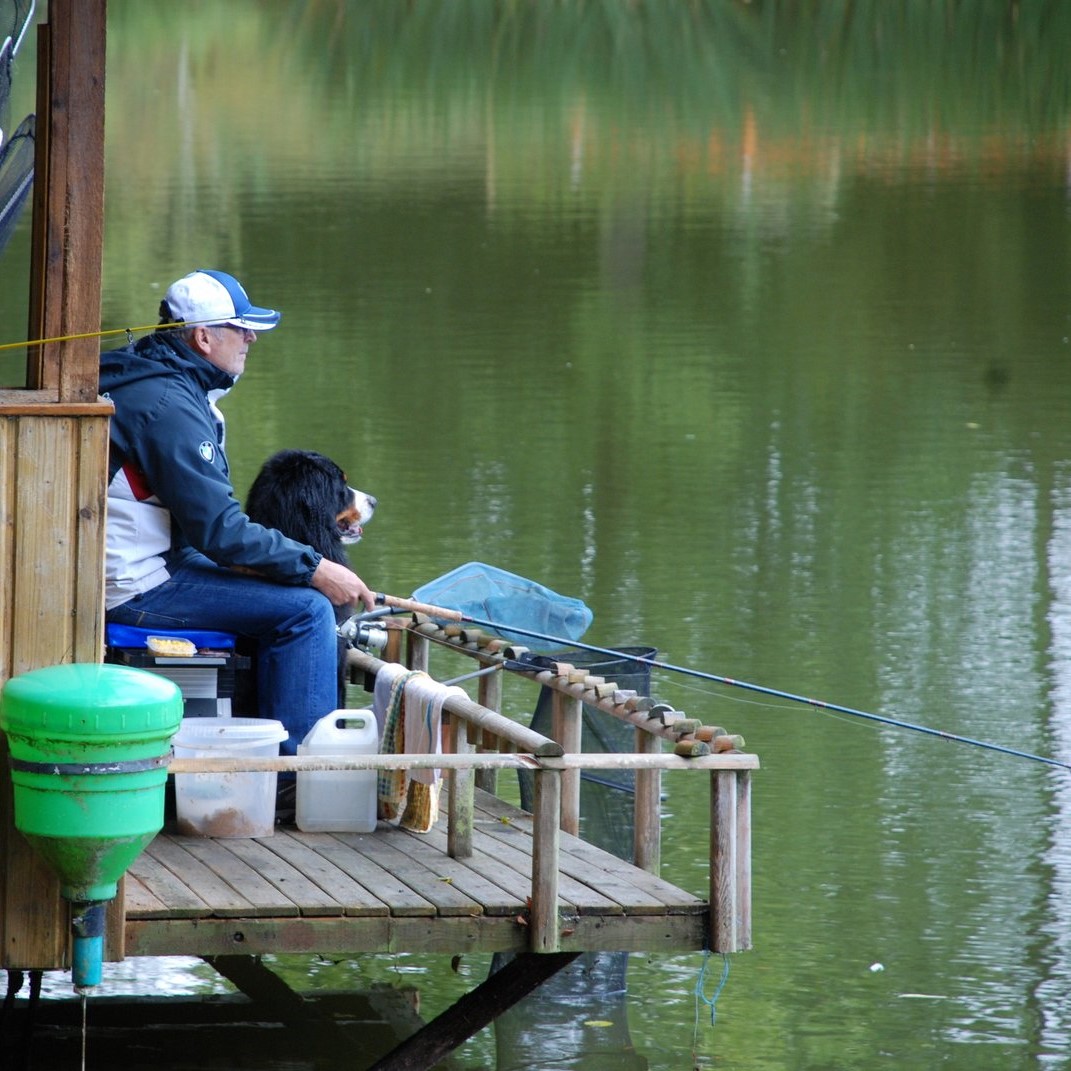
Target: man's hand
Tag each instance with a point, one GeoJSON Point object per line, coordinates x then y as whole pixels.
{"type": "Point", "coordinates": [341, 585]}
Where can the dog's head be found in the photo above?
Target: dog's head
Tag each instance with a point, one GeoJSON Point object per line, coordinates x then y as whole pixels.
{"type": "Point", "coordinates": [308, 497]}
{"type": "Point", "coordinates": [357, 513]}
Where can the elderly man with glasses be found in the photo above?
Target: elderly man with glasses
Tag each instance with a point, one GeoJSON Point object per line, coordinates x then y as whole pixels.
{"type": "Point", "coordinates": [181, 553]}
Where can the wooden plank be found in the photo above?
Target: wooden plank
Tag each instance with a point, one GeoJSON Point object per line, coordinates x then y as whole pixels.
{"type": "Point", "coordinates": [426, 935]}
{"type": "Point", "coordinates": [34, 917]}
{"type": "Point", "coordinates": [264, 898]}
{"type": "Point", "coordinates": [44, 543]}
{"type": "Point", "coordinates": [301, 851]}
{"type": "Point", "coordinates": [507, 844]}
{"type": "Point", "coordinates": [141, 902]}
{"type": "Point", "coordinates": [9, 429]}
{"type": "Point", "coordinates": [90, 495]}
{"type": "Point", "coordinates": [580, 859]}
{"type": "Point", "coordinates": [181, 900]}
{"type": "Point", "coordinates": [200, 879]}
{"type": "Point", "coordinates": [395, 896]}
{"type": "Point", "coordinates": [20, 402]}
{"type": "Point", "coordinates": [516, 884]}
{"type": "Point", "coordinates": [341, 935]}
{"type": "Point", "coordinates": [309, 898]}
{"type": "Point", "coordinates": [425, 880]}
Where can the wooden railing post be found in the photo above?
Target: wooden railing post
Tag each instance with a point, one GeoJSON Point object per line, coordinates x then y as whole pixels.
{"type": "Point", "coordinates": [545, 934]}
{"type": "Point", "coordinates": [416, 651]}
{"type": "Point", "coordinates": [490, 696]}
{"type": "Point", "coordinates": [567, 714]}
{"type": "Point", "coordinates": [730, 860]}
{"type": "Point", "coordinates": [460, 799]}
{"type": "Point", "coordinates": [647, 826]}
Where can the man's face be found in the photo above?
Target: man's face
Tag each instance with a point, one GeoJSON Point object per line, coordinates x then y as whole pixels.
{"type": "Point", "coordinates": [226, 347]}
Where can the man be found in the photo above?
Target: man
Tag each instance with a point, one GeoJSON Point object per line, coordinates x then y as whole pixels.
{"type": "Point", "coordinates": [180, 551]}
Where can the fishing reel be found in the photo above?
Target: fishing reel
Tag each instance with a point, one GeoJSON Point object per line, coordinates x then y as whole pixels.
{"type": "Point", "coordinates": [361, 631]}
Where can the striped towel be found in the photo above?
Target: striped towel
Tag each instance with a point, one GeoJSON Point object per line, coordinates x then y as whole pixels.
{"type": "Point", "coordinates": [424, 698]}
{"type": "Point", "coordinates": [390, 784]}
{"type": "Point", "coordinates": [412, 713]}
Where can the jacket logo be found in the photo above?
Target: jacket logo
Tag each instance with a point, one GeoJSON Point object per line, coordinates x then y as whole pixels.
{"type": "Point", "coordinates": [207, 450]}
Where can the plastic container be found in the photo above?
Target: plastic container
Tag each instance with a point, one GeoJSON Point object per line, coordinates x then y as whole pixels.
{"type": "Point", "coordinates": [338, 801]}
{"type": "Point", "coordinates": [227, 804]}
{"type": "Point", "coordinates": [88, 746]}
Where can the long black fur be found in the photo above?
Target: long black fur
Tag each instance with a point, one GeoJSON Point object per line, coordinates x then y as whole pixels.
{"type": "Point", "coordinates": [301, 493]}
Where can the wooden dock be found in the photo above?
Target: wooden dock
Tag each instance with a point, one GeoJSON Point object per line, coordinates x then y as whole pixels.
{"type": "Point", "coordinates": [394, 890]}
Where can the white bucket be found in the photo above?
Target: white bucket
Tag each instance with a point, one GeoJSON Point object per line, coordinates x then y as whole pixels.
{"type": "Point", "coordinates": [227, 804]}
{"type": "Point", "coordinates": [338, 801]}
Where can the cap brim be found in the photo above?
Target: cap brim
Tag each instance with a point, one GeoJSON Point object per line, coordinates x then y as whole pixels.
{"type": "Point", "coordinates": [254, 319]}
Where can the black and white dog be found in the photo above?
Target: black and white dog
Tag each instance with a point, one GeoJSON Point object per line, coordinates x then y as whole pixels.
{"type": "Point", "coordinates": [307, 497]}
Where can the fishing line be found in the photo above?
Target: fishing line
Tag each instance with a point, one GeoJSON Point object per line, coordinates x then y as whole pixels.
{"type": "Point", "coordinates": [128, 331]}
{"type": "Point", "coordinates": [761, 689]}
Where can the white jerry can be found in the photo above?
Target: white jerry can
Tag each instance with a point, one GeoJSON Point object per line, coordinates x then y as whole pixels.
{"type": "Point", "coordinates": [338, 801]}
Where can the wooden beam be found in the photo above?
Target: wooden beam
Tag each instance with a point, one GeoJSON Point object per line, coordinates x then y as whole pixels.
{"type": "Point", "coordinates": [68, 200]}
{"type": "Point", "coordinates": [504, 988]}
{"type": "Point", "coordinates": [567, 719]}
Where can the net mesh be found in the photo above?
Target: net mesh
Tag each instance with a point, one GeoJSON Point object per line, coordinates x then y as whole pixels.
{"type": "Point", "coordinates": [490, 594]}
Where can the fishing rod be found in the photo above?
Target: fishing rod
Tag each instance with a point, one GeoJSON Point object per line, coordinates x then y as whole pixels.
{"type": "Point", "coordinates": [411, 606]}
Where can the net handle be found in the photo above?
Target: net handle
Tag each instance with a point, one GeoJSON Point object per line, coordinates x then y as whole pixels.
{"type": "Point", "coordinates": [414, 607]}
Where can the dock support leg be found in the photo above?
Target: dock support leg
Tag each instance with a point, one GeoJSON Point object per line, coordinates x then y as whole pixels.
{"type": "Point", "coordinates": [730, 860]}
{"type": "Point", "coordinates": [474, 1011]}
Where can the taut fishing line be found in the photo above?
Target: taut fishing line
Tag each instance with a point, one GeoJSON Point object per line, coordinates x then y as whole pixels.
{"type": "Point", "coordinates": [776, 693]}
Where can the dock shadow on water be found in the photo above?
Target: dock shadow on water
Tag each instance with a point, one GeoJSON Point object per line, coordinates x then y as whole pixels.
{"type": "Point", "coordinates": [217, 1031]}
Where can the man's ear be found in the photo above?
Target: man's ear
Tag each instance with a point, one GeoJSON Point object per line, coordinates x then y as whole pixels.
{"type": "Point", "coordinates": [201, 339]}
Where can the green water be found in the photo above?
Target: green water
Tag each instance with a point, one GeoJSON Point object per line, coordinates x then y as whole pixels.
{"type": "Point", "coordinates": [749, 325]}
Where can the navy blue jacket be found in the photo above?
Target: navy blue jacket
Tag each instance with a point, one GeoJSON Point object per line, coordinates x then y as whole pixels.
{"type": "Point", "coordinates": [169, 484]}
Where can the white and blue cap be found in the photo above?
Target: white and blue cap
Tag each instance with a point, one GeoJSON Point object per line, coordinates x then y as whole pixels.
{"type": "Point", "coordinates": [213, 297]}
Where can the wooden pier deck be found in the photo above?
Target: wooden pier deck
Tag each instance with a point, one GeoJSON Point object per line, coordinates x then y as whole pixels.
{"type": "Point", "coordinates": [394, 890]}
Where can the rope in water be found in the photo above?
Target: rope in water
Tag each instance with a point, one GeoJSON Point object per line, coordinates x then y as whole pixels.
{"type": "Point", "coordinates": [792, 697]}
{"type": "Point", "coordinates": [700, 991]}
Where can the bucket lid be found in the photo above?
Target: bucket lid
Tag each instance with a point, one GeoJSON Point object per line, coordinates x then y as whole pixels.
{"type": "Point", "coordinates": [228, 732]}
{"type": "Point", "coordinates": [90, 698]}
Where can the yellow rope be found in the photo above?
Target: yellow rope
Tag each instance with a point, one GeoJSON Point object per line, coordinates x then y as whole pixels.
{"type": "Point", "coordinates": [128, 331]}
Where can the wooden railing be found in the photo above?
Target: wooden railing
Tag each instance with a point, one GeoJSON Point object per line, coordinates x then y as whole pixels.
{"type": "Point", "coordinates": [480, 741]}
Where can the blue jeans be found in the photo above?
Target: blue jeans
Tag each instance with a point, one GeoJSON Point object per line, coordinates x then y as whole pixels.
{"type": "Point", "coordinates": [294, 628]}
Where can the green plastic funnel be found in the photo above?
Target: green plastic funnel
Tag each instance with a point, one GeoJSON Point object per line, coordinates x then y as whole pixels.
{"type": "Point", "coordinates": [89, 748]}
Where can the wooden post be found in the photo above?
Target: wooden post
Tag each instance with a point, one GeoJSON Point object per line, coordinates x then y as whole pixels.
{"type": "Point", "coordinates": [647, 826]}
{"type": "Point", "coordinates": [567, 713]}
{"type": "Point", "coordinates": [460, 806]}
{"type": "Point", "coordinates": [490, 696]}
{"type": "Point", "coordinates": [545, 934]}
{"type": "Point", "coordinates": [53, 447]}
{"type": "Point", "coordinates": [416, 650]}
{"type": "Point", "coordinates": [68, 200]}
{"type": "Point", "coordinates": [730, 860]}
